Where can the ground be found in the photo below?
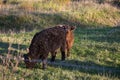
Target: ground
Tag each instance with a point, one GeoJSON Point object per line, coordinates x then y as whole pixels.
{"type": "Point", "coordinates": [97, 41]}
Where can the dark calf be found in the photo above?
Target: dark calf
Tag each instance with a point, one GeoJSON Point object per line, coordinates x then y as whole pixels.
{"type": "Point", "coordinates": [48, 40]}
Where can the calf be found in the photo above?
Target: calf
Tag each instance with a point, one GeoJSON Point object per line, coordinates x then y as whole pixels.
{"type": "Point", "coordinates": [49, 40]}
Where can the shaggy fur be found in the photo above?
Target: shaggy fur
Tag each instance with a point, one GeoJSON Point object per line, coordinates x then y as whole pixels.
{"type": "Point", "coordinates": [49, 40]}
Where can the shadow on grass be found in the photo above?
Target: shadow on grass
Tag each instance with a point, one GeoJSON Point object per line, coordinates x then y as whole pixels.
{"type": "Point", "coordinates": [4, 48]}
{"type": "Point", "coordinates": [88, 67]}
{"type": "Point", "coordinates": [85, 67]}
{"type": "Point", "coordinates": [31, 21]}
{"type": "Point", "coordinates": [106, 34]}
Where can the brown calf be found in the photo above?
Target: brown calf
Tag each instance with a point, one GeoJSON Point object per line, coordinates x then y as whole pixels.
{"type": "Point", "coordinates": [49, 40]}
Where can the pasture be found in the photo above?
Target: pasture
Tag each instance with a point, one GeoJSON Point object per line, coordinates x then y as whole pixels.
{"type": "Point", "coordinates": [95, 54]}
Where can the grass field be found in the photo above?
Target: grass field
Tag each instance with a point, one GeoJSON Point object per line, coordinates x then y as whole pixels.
{"type": "Point", "coordinates": [97, 39]}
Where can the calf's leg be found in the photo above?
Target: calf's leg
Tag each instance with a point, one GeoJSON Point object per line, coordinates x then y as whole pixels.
{"type": "Point", "coordinates": [53, 55]}
{"type": "Point", "coordinates": [62, 49]}
{"type": "Point", "coordinates": [44, 61]}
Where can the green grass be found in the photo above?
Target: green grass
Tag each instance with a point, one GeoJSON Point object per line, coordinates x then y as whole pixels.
{"type": "Point", "coordinates": [97, 40]}
{"type": "Point", "coordinates": [92, 47]}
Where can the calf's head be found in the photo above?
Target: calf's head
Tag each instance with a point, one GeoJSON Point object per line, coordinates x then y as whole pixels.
{"type": "Point", "coordinates": [28, 62]}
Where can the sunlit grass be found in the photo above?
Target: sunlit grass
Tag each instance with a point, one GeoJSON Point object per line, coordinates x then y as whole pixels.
{"type": "Point", "coordinates": [76, 12]}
